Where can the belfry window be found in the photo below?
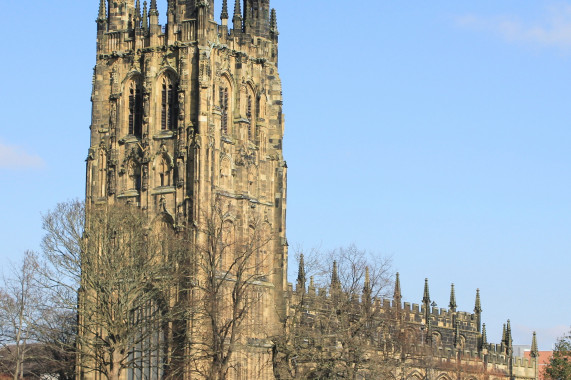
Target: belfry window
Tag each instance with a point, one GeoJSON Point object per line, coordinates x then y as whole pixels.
{"type": "Point", "coordinates": [223, 98]}
{"type": "Point", "coordinates": [168, 115]}
{"type": "Point", "coordinates": [135, 110]}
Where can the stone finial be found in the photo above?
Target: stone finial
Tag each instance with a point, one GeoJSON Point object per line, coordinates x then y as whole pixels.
{"type": "Point", "coordinates": [534, 350]}
{"type": "Point", "coordinates": [509, 339]}
{"type": "Point", "coordinates": [478, 305]}
{"type": "Point", "coordinates": [426, 297]}
{"type": "Point", "coordinates": [452, 305]}
{"type": "Point", "coordinates": [102, 15]}
{"type": "Point", "coordinates": [301, 275]}
{"type": "Point", "coordinates": [224, 13]}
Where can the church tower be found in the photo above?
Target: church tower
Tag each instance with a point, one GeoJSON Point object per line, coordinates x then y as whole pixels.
{"type": "Point", "coordinates": [188, 115]}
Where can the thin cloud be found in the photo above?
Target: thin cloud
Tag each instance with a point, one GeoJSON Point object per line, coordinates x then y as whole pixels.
{"type": "Point", "coordinates": [15, 157]}
{"type": "Point", "coordinates": [552, 30]}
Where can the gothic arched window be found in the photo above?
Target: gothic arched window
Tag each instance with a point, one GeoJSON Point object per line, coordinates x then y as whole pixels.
{"type": "Point", "coordinates": [168, 108]}
{"type": "Point", "coordinates": [135, 109]}
{"type": "Point", "coordinates": [223, 101]}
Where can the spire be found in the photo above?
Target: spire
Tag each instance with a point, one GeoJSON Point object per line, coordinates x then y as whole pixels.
{"type": "Point", "coordinates": [301, 275]}
{"type": "Point", "coordinates": [452, 305]}
{"type": "Point", "coordinates": [237, 18]}
{"type": "Point", "coordinates": [478, 305]}
{"type": "Point", "coordinates": [145, 16]}
{"type": "Point", "coordinates": [102, 11]}
{"type": "Point", "coordinates": [367, 279]}
{"type": "Point", "coordinates": [426, 297]}
{"type": "Point", "coordinates": [509, 339]}
{"type": "Point", "coordinates": [534, 350]}
{"type": "Point", "coordinates": [224, 14]}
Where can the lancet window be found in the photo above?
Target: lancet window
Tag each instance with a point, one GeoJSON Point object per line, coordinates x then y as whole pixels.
{"type": "Point", "coordinates": [135, 109]}
{"type": "Point", "coordinates": [168, 108]}
{"type": "Point", "coordinates": [223, 101]}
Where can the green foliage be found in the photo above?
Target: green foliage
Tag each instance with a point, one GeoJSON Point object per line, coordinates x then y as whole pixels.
{"type": "Point", "coordinates": [559, 367]}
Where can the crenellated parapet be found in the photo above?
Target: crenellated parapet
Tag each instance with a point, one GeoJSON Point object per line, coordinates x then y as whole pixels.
{"type": "Point", "coordinates": [444, 338]}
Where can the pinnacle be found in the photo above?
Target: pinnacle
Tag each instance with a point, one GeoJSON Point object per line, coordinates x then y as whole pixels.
{"type": "Point", "coordinates": [145, 16]}
{"type": "Point", "coordinates": [102, 10]}
{"type": "Point", "coordinates": [534, 349]}
{"type": "Point", "coordinates": [397, 294]}
{"type": "Point", "coordinates": [452, 304]}
{"type": "Point", "coordinates": [224, 14]}
{"type": "Point", "coordinates": [478, 305]}
{"type": "Point", "coordinates": [426, 297]}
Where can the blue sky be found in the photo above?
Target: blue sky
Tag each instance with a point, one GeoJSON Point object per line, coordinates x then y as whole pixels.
{"type": "Point", "coordinates": [436, 133]}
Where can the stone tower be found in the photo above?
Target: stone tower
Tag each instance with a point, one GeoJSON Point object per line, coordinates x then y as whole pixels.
{"type": "Point", "coordinates": [188, 114]}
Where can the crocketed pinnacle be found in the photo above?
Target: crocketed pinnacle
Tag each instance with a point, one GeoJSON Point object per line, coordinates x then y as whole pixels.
{"type": "Point", "coordinates": [426, 297]}
{"type": "Point", "coordinates": [504, 334]}
{"type": "Point", "coordinates": [137, 10]}
{"type": "Point", "coordinates": [478, 305]}
{"type": "Point", "coordinates": [509, 334]}
{"type": "Point", "coordinates": [102, 11]}
{"type": "Point", "coordinates": [334, 275]}
{"type": "Point", "coordinates": [397, 296]}
{"type": "Point", "coordinates": [224, 14]}
{"type": "Point", "coordinates": [273, 22]}
{"type": "Point", "coordinates": [301, 274]}
{"type": "Point", "coordinates": [237, 18]}
{"type": "Point", "coordinates": [153, 9]}
{"type": "Point", "coordinates": [534, 350]}
{"type": "Point", "coordinates": [367, 285]}
{"type": "Point", "coordinates": [484, 335]}
{"type": "Point", "coordinates": [452, 305]}
{"type": "Point", "coordinates": [145, 16]}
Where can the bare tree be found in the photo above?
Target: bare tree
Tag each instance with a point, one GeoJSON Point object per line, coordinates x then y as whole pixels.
{"type": "Point", "coordinates": [116, 272]}
{"type": "Point", "coordinates": [19, 314]}
{"type": "Point", "coordinates": [338, 327]}
{"type": "Point", "coordinates": [229, 283]}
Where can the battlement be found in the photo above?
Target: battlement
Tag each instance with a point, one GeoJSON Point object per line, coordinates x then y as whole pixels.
{"type": "Point", "coordinates": [124, 27]}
